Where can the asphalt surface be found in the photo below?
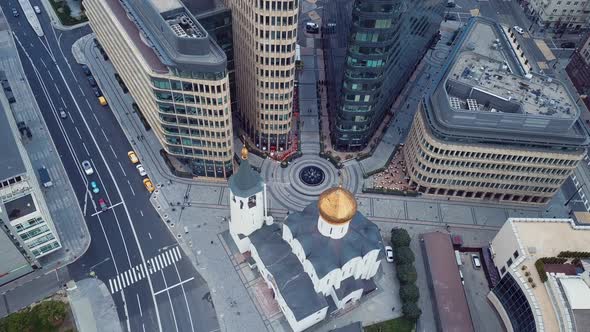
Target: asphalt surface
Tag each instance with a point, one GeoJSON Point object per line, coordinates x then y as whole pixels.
{"type": "Point", "coordinates": [130, 233]}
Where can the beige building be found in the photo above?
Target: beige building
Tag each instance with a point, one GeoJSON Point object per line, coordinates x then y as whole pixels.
{"type": "Point", "coordinates": [490, 130]}
{"type": "Point", "coordinates": [525, 302]}
{"type": "Point", "coordinates": [560, 14]}
{"type": "Point", "coordinates": [177, 75]}
{"type": "Point", "coordinates": [264, 36]}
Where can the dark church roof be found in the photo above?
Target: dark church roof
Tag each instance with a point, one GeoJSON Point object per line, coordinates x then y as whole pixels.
{"type": "Point", "coordinates": [327, 254]}
{"type": "Point", "coordinates": [246, 181]}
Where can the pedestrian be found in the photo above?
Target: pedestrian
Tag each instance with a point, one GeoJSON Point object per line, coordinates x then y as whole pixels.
{"type": "Point", "coordinates": [393, 309]}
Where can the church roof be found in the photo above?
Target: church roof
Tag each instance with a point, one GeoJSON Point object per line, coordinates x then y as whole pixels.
{"type": "Point", "coordinates": [327, 254]}
{"type": "Point", "coordinates": [246, 181]}
{"type": "Point", "coordinates": [291, 280]}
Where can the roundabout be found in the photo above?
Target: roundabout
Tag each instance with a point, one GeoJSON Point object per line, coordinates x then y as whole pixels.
{"type": "Point", "coordinates": [312, 175]}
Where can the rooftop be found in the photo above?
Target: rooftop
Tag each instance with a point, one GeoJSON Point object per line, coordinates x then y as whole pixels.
{"type": "Point", "coordinates": [163, 6]}
{"type": "Point", "coordinates": [11, 163]}
{"type": "Point", "coordinates": [20, 207]}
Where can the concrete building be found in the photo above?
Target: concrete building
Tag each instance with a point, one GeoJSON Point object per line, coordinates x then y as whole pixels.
{"type": "Point", "coordinates": [176, 73]}
{"type": "Point", "coordinates": [318, 261]}
{"type": "Point", "coordinates": [578, 69]}
{"type": "Point", "coordinates": [559, 14]}
{"type": "Point", "coordinates": [491, 129]}
{"type": "Point", "coordinates": [371, 49]}
{"type": "Point", "coordinates": [525, 302]}
{"type": "Point", "coordinates": [265, 35]}
{"type": "Point", "coordinates": [27, 230]}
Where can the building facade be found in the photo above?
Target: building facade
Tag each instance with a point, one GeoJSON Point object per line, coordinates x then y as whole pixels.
{"type": "Point", "coordinates": [177, 75]}
{"type": "Point", "coordinates": [265, 35]}
{"type": "Point", "coordinates": [560, 14]}
{"type": "Point", "coordinates": [383, 41]}
{"type": "Point", "coordinates": [27, 231]}
{"type": "Point", "coordinates": [491, 130]}
{"type": "Point", "coordinates": [578, 69]}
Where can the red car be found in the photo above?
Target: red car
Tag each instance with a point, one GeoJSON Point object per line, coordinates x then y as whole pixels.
{"type": "Point", "coordinates": [103, 204]}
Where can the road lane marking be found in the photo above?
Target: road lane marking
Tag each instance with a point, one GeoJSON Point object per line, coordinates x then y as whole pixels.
{"type": "Point", "coordinates": [49, 73]}
{"type": "Point", "coordinates": [80, 136]}
{"type": "Point", "coordinates": [127, 277]}
{"type": "Point", "coordinates": [141, 212]}
{"type": "Point", "coordinates": [105, 136]}
{"type": "Point", "coordinates": [139, 305]}
{"type": "Point", "coordinates": [162, 263]}
{"type": "Point", "coordinates": [113, 151]}
{"type": "Point", "coordinates": [56, 88]}
{"type": "Point", "coordinates": [95, 118]}
{"type": "Point", "coordinates": [132, 191]}
{"type": "Point", "coordinates": [122, 170]}
{"type": "Point", "coordinates": [111, 286]}
{"type": "Point", "coordinates": [157, 264]}
{"type": "Point", "coordinates": [88, 103]}
{"type": "Point", "coordinates": [175, 285]}
{"type": "Point", "coordinates": [85, 148]}
{"type": "Point", "coordinates": [149, 234]}
{"type": "Point", "coordinates": [190, 316]}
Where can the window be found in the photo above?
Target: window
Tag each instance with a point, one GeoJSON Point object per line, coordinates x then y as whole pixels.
{"type": "Point", "coordinates": [515, 254]}
{"type": "Point", "coordinates": [502, 270]}
{"type": "Point", "coordinates": [509, 262]}
{"type": "Point", "coordinates": [251, 201]}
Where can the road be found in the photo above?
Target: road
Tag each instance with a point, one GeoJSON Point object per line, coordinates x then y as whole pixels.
{"type": "Point", "coordinates": [154, 284]}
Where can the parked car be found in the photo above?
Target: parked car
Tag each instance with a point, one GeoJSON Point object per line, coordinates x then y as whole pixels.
{"type": "Point", "coordinates": [94, 187]}
{"type": "Point", "coordinates": [568, 45]}
{"type": "Point", "coordinates": [97, 92]}
{"type": "Point", "coordinates": [148, 185]}
{"type": "Point", "coordinates": [312, 27]}
{"type": "Point", "coordinates": [87, 167]}
{"type": "Point", "coordinates": [103, 204]}
{"type": "Point", "coordinates": [62, 113]}
{"type": "Point", "coordinates": [476, 261]}
{"type": "Point", "coordinates": [15, 12]}
{"type": "Point", "coordinates": [450, 17]}
{"type": "Point", "coordinates": [518, 29]}
{"type": "Point", "coordinates": [91, 81]}
{"type": "Point", "coordinates": [141, 170]}
{"type": "Point", "coordinates": [37, 9]}
{"type": "Point", "coordinates": [389, 253]}
{"type": "Point", "coordinates": [133, 157]}
{"type": "Point", "coordinates": [451, 4]}
{"type": "Point", "coordinates": [86, 70]}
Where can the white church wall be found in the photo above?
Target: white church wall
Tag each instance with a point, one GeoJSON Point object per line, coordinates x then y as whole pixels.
{"type": "Point", "coordinates": [245, 219]}
{"type": "Point", "coordinates": [341, 303]}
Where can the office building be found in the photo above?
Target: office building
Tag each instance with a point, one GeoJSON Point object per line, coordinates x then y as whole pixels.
{"type": "Point", "coordinates": [559, 14]}
{"type": "Point", "coordinates": [264, 36]}
{"type": "Point", "coordinates": [543, 286]}
{"type": "Point", "coordinates": [371, 48]}
{"type": "Point", "coordinates": [27, 231]}
{"type": "Point", "coordinates": [491, 129]}
{"type": "Point", "coordinates": [177, 75]}
{"type": "Point", "coordinates": [578, 69]}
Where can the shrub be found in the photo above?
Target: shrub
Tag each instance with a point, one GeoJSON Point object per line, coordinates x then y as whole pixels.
{"type": "Point", "coordinates": [411, 311]}
{"type": "Point", "coordinates": [574, 254]}
{"type": "Point", "coordinates": [530, 279]}
{"type": "Point", "coordinates": [540, 265]}
{"type": "Point", "coordinates": [409, 293]}
{"type": "Point", "coordinates": [406, 273]}
{"type": "Point", "coordinates": [403, 255]}
{"type": "Point", "coordinates": [527, 273]}
{"type": "Point", "coordinates": [400, 238]}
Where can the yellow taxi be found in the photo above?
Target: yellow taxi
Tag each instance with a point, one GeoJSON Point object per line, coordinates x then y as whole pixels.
{"type": "Point", "coordinates": [148, 185]}
{"type": "Point", "coordinates": [133, 157]}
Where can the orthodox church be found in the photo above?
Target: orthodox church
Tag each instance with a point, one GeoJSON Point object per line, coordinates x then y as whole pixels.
{"type": "Point", "coordinates": [318, 260]}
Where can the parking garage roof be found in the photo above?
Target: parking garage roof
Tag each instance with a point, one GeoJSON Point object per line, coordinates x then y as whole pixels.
{"type": "Point", "coordinates": [11, 163]}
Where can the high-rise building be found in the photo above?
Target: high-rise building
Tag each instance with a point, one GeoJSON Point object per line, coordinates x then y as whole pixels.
{"type": "Point", "coordinates": [371, 49]}
{"type": "Point", "coordinates": [177, 75]}
{"type": "Point", "coordinates": [492, 129]}
{"type": "Point", "coordinates": [27, 232]}
{"type": "Point", "coordinates": [559, 14]}
{"type": "Point", "coordinates": [578, 69]}
{"type": "Point", "coordinates": [264, 36]}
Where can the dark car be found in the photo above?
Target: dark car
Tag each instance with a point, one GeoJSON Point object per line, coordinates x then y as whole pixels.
{"type": "Point", "coordinates": [91, 81]}
{"type": "Point", "coordinates": [568, 45]}
{"type": "Point", "coordinates": [97, 92]}
{"type": "Point", "coordinates": [86, 70]}
{"type": "Point", "coordinates": [450, 17]}
{"type": "Point", "coordinates": [15, 12]}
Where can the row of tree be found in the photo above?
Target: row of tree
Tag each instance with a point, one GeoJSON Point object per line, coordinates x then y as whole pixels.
{"type": "Point", "coordinates": [406, 273]}
{"type": "Point", "coordinates": [46, 316]}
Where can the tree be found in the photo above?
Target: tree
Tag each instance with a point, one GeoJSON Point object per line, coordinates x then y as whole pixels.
{"type": "Point", "coordinates": [409, 293]}
{"type": "Point", "coordinates": [403, 255]}
{"type": "Point", "coordinates": [50, 313]}
{"type": "Point", "coordinates": [400, 238]}
{"type": "Point", "coordinates": [406, 273]}
{"type": "Point", "coordinates": [411, 311]}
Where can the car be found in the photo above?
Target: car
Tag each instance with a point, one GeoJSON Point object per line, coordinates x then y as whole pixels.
{"type": "Point", "coordinates": [37, 9]}
{"type": "Point", "coordinates": [451, 4]}
{"type": "Point", "coordinates": [148, 185]}
{"type": "Point", "coordinates": [450, 17]}
{"type": "Point", "coordinates": [476, 261]}
{"type": "Point", "coordinates": [518, 29]}
{"type": "Point", "coordinates": [15, 12]}
{"type": "Point", "coordinates": [94, 187]}
{"type": "Point", "coordinates": [86, 70]}
{"type": "Point", "coordinates": [568, 45]}
{"type": "Point", "coordinates": [91, 81]}
{"type": "Point", "coordinates": [62, 113]}
{"type": "Point", "coordinates": [141, 170]}
{"type": "Point", "coordinates": [103, 204]}
{"type": "Point", "coordinates": [133, 157]}
{"type": "Point", "coordinates": [87, 167]}
{"type": "Point", "coordinates": [97, 92]}
{"type": "Point", "coordinates": [389, 254]}
{"type": "Point", "coordinates": [312, 27]}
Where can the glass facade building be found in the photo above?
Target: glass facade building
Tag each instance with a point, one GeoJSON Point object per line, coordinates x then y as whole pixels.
{"type": "Point", "coordinates": [370, 63]}
{"type": "Point", "coordinates": [515, 304]}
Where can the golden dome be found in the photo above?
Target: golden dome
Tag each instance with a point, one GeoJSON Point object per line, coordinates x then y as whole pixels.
{"type": "Point", "coordinates": [244, 152]}
{"type": "Point", "coordinates": [337, 205]}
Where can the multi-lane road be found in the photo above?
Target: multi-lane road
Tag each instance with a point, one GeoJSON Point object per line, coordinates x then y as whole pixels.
{"type": "Point", "coordinates": [153, 283]}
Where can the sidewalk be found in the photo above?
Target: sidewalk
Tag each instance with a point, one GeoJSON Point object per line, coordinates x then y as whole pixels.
{"type": "Point", "coordinates": [93, 307]}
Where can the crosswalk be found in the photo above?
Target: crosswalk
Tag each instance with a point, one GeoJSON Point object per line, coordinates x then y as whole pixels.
{"type": "Point", "coordinates": [141, 271]}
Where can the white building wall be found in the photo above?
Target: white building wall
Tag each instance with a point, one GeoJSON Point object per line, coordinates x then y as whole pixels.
{"type": "Point", "coordinates": [332, 230]}
{"type": "Point", "coordinates": [244, 219]}
{"type": "Point", "coordinates": [504, 245]}
{"type": "Point", "coordinates": [352, 297]}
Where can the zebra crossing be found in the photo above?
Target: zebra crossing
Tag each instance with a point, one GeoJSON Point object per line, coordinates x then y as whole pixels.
{"type": "Point", "coordinates": [141, 271]}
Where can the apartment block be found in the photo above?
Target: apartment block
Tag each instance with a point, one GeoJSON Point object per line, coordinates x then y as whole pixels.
{"type": "Point", "coordinates": [27, 230]}
{"type": "Point", "coordinates": [371, 49]}
{"type": "Point", "coordinates": [578, 69]}
{"type": "Point", "coordinates": [492, 130]}
{"type": "Point", "coordinates": [177, 75]}
{"type": "Point", "coordinates": [264, 36]}
{"type": "Point", "coordinates": [560, 14]}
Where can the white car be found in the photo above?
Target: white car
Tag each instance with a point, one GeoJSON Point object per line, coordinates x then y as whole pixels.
{"type": "Point", "coordinates": [87, 167]}
{"type": "Point", "coordinates": [37, 9]}
{"type": "Point", "coordinates": [518, 29]}
{"type": "Point", "coordinates": [141, 170]}
{"type": "Point", "coordinates": [389, 254]}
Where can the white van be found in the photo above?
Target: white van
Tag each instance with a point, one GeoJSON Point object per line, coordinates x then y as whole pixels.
{"type": "Point", "coordinates": [458, 257]}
